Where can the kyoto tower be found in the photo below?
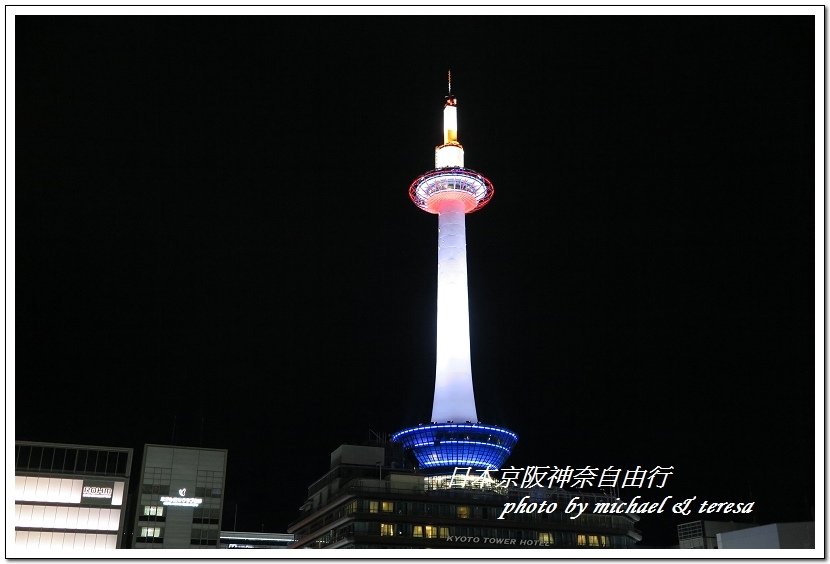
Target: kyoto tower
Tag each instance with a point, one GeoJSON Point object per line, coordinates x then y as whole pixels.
{"type": "Point", "coordinates": [455, 438]}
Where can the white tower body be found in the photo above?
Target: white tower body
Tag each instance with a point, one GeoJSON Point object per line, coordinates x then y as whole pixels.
{"type": "Point", "coordinates": [454, 399]}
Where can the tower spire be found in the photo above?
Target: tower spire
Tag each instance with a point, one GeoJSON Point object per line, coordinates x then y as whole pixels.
{"type": "Point", "coordinates": [450, 153]}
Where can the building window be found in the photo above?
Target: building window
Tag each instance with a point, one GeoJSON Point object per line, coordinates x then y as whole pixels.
{"type": "Point", "coordinates": [462, 512]}
{"type": "Point", "coordinates": [154, 510]}
{"type": "Point", "coordinates": [209, 483]}
{"type": "Point", "coordinates": [387, 506]}
{"type": "Point", "coordinates": [545, 538]}
{"type": "Point", "coordinates": [431, 531]}
{"type": "Point", "coordinates": [157, 475]}
{"type": "Point", "coordinates": [208, 492]}
{"type": "Point", "coordinates": [206, 515]}
{"type": "Point", "coordinates": [351, 507]}
{"type": "Point", "coordinates": [417, 531]}
{"type": "Point", "coordinates": [597, 540]}
{"type": "Point", "coordinates": [373, 507]}
{"type": "Point", "coordinates": [387, 530]}
{"type": "Point", "coordinates": [160, 489]}
{"type": "Point", "coordinates": [207, 537]}
{"type": "Point", "coordinates": [581, 540]}
{"type": "Point", "coordinates": [153, 532]}
{"type": "Point", "coordinates": [443, 532]}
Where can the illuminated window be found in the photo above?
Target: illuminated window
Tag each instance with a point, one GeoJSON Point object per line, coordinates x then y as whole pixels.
{"type": "Point", "coordinates": [155, 510]}
{"type": "Point", "coordinates": [431, 531]}
{"type": "Point", "coordinates": [387, 506]}
{"type": "Point", "coordinates": [387, 530]}
{"type": "Point", "coordinates": [462, 512]}
{"type": "Point", "coordinates": [417, 531]}
{"type": "Point", "coordinates": [581, 540]}
{"type": "Point", "coordinates": [593, 540]}
{"type": "Point", "coordinates": [150, 532]}
{"type": "Point", "coordinates": [351, 507]}
{"type": "Point", "coordinates": [545, 538]}
{"type": "Point", "coordinates": [603, 540]}
{"type": "Point", "coordinates": [373, 507]}
{"type": "Point", "coordinates": [443, 532]}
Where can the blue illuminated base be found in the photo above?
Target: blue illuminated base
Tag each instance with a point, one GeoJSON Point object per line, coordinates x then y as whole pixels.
{"type": "Point", "coordinates": [447, 445]}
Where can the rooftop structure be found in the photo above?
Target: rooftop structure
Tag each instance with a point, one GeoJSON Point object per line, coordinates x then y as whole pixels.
{"type": "Point", "coordinates": [256, 540]}
{"type": "Point", "coordinates": [703, 534]}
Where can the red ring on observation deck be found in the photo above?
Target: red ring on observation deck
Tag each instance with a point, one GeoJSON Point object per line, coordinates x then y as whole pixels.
{"type": "Point", "coordinates": [442, 183]}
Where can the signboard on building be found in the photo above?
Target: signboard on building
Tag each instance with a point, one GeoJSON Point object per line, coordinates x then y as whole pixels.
{"type": "Point", "coordinates": [182, 500]}
{"type": "Point", "coordinates": [94, 492]}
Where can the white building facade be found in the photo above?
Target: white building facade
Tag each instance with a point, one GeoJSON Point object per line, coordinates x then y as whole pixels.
{"type": "Point", "coordinates": [70, 497]}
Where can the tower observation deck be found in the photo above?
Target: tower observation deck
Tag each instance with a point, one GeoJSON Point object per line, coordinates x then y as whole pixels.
{"type": "Point", "coordinates": [455, 437]}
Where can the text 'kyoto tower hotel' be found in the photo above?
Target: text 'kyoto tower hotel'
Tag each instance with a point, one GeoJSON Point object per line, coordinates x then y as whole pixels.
{"type": "Point", "coordinates": [455, 437]}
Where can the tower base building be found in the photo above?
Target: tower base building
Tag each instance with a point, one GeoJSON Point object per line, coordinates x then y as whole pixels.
{"type": "Point", "coordinates": [366, 500]}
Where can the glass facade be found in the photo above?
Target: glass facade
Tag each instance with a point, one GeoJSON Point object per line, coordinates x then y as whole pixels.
{"type": "Point", "coordinates": [71, 459]}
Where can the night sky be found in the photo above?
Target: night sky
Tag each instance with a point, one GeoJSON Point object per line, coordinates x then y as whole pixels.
{"type": "Point", "coordinates": [215, 245]}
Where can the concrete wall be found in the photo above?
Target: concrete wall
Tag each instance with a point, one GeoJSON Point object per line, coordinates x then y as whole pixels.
{"type": "Point", "coordinates": [775, 535]}
{"type": "Point", "coordinates": [797, 535]}
{"type": "Point", "coordinates": [355, 454]}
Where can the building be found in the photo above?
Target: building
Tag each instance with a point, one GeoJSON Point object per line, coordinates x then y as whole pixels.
{"type": "Point", "coordinates": [703, 534]}
{"type": "Point", "coordinates": [455, 436]}
{"type": "Point", "coordinates": [367, 500]}
{"type": "Point", "coordinates": [406, 493]}
{"type": "Point", "coordinates": [234, 539]}
{"type": "Point", "coordinates": [180, 497]}
{"type": "Point", "coordinates": [70, 497]}
{"type": "Point", "coordinates": [775, 535]}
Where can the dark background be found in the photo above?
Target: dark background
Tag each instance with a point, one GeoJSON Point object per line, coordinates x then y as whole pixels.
{"type": "Point", "coordinates": [213, 233]}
